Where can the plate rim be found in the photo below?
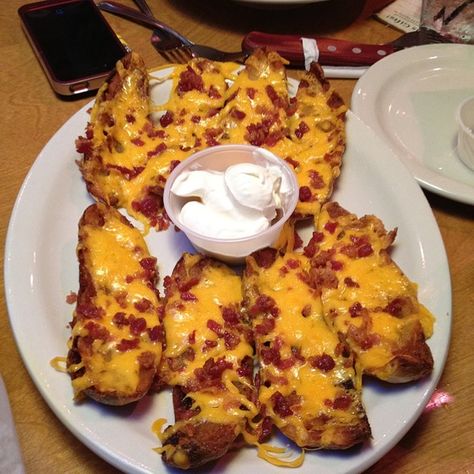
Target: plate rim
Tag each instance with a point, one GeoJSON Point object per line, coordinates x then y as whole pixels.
{"type": "Point", "coordinates": [376, 76]}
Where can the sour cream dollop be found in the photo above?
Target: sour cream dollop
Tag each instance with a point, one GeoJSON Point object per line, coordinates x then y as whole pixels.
{"type": "Point", "coordinates": [239, 202]}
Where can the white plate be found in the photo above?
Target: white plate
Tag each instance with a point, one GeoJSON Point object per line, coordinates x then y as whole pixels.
{"type": "Point", "coordinates": [41, 269]}
{"type": "Point", "coordinates": [409, 99]}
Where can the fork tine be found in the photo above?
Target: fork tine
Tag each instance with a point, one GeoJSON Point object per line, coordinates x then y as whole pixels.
{"type": "Point", "coordinates": [166, 56]}
{"type": "Point", "coordinates": [182, 54]}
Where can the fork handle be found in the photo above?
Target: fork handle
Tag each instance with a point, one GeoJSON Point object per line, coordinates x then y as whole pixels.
{"type": "Point", "coordinates": [332, 52]}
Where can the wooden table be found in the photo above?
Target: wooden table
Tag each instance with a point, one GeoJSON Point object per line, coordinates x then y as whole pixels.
{"type": "Point", "coordinates": [441, 441]}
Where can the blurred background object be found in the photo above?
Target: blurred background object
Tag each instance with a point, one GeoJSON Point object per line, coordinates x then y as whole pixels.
{"type": "Point", "coordinates": [451, 18]}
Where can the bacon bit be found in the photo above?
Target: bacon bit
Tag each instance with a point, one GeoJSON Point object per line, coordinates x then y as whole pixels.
{"type": "Point", "coordinates": [400, 307]}
{"type": "Point", "coordinates": [148, 206]}
{"type": "Point", "coordinates": [303, 84]}
{"type": "Point", "coordinates": [71, 298]}
{"type": "Point", "coordinates": [292, 162]}
{"type": "Point", "coordinates": [158, 150]}
{"type": "Point", "coordinates": [256, 134]}
{"type": "Point", "coordinates": [265, 304]}
{"type": "Point", "coordinates": [336, 265]}
{"type": "Point", "coordinates": [251, 92]}
{"type": "Point", "coordinates": [127, 344]}
{"type": "Point", "coordinates": [285, 364]}
{"type": "Point", "coordinates": [211, 112]}
{"type": "Point", "coordinates": [137, 326]}
{"type": "Point", "coordinates": [312, 247]}
{"type": "Point", "coordinates": [231, 340]}
{"type": "Point", "coordinates": [149, 264]}
{"type": "Point", "coordinates": [270, 355]}
{"type": "Point", "coordinates": [156, 333]}
{"type": "Point", "coordinates": [130, 118]}
{"type": "Point", "coordinates": [210, 374]}
{"type": "Point", "coordinates": [351, 283]}
{"type": "Point", "coordinates": [137, 141]}
{"type": "Point", "coordinates": [306, 311]}
{"type": "Point", "coordinates": [153, 132]}
{"type": "Point", "coordinates": [305, 194]}
{"type": "Point", "coordinates": [298, 240]}
{"type": "Point", "coordinates": [214, 326]}
{"type": "Point", "coordinates": [84, 146]}
{"type": "Point", "coordinates": [143, 305]}
{"type": "Point", "coordinates": [316, 180]}
{"type": "Point", "coordinates": [277, 100]}
{"type": "Point", "coordinates": [335, 101]}
{"type": "Point", "coordinates": [237, 114]}
{"type": "Point", "coordinates": [196, 118]}
{"type": "Point", "coordinates": [283, 271]}
{"type": "Point", "coordinates": [96, 331]}
{"type": "Point", "coordinates": [302, 129]}
{"type": "Point", "coordinates": [210, 135]}
{"type": "Point", "coordinates": [120, 319]}
{"type": "Point", "coordinates": [127, 173]}
{"type": "Point", "coordinates": [292, 106]}
{"type": "Point", "coordinates": [214, 92]}
{"type": "Point", "coordinates": [246, 367]}
{"type": "Point", "coordinates": [293, 263]}
{"type": "Point", "coordinates": [192, 337]}
{"type": "Point", "coordinates": [188, 296]}
{"type": "Point", "coordinates": [266, 428]}
{"type": "Point", "coordinates": [322, 362]}
{"type": "Point", "coordinates": [208, 345]}
{"type": "Point", "coordinates": [230, 316]}
{"type": "Point", "coordinates": [187, 285]}
{"type": "Point", "coordinates": [342, 403]}
{"type": "Point", "coordinates": [330, 227]}
{"type": "Point", "coordinates": [273, 138]}
{"type": "Point", "coordinates": [322, 278]}
{"type": "Point", "coordinates": [365, 250]}
{"type": "Point", "coordinates": [189, 80]}
{"type": "Point", "coordinates": [89, 311]}
{"type": "Point", "coordinates": [281, 405]}
{"type": "Point", "coordinates": [265, 327]}
{"type": "Point", "coordinates": [335, 210]}
{"type": "Point", "coordinates": [356, 310]}
{"type": "Point", "coordinates": [167, 282]}
{"type": "Point", "coordinates": [265, 258]}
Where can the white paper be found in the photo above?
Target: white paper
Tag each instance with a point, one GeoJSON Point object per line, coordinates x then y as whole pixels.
{"type": "Point", "coordinates": [402, 14]}
{"type": "Point", "coordinates": [10, 456]}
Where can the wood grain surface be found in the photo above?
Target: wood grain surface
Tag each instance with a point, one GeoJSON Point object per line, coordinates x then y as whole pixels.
{"type": "Point", "coordinates": [441, 441]}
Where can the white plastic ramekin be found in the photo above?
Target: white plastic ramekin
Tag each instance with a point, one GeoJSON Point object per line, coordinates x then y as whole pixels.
{"type": "Point", "coordinates": [465, 119]}
{"type": "Point", "coordinates": [219, 158]}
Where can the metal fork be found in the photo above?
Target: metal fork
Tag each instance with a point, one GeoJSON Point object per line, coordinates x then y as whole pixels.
{"type": "Point", "coordinates": [172, 45]}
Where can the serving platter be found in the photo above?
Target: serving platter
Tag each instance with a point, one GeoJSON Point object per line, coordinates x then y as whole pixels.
{"type": "Point", "coordinates": [410, 100]}
{"type": "Point", "coordinates": [41, 270]}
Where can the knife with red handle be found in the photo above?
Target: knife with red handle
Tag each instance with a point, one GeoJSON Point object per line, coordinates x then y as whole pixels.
{"type": "Point", "coordinates": [332, 52]}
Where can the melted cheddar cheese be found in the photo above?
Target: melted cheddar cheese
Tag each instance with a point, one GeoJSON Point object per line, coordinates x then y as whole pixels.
{"type": "Point", "coordinates": [303, 374]}
{"type": "Point", "coordinates": [116, 320]}
{"type": "Point", "coordinates": [131, 145]}
{"type": "Point", "coordinates": [373, 303]}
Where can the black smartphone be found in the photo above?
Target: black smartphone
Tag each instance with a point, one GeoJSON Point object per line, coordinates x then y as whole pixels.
{"type": "Point", "coordinates": [75, 45]}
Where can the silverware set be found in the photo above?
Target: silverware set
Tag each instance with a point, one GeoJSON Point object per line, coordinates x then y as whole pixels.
{"type": "Point", "coordinates": [176, 48]}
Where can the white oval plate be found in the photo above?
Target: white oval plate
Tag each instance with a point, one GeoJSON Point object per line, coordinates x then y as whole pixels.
{"type": "Point", "coordinates": [41, 269]}
{"type": "Point", "coordinates": [409, 99]}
